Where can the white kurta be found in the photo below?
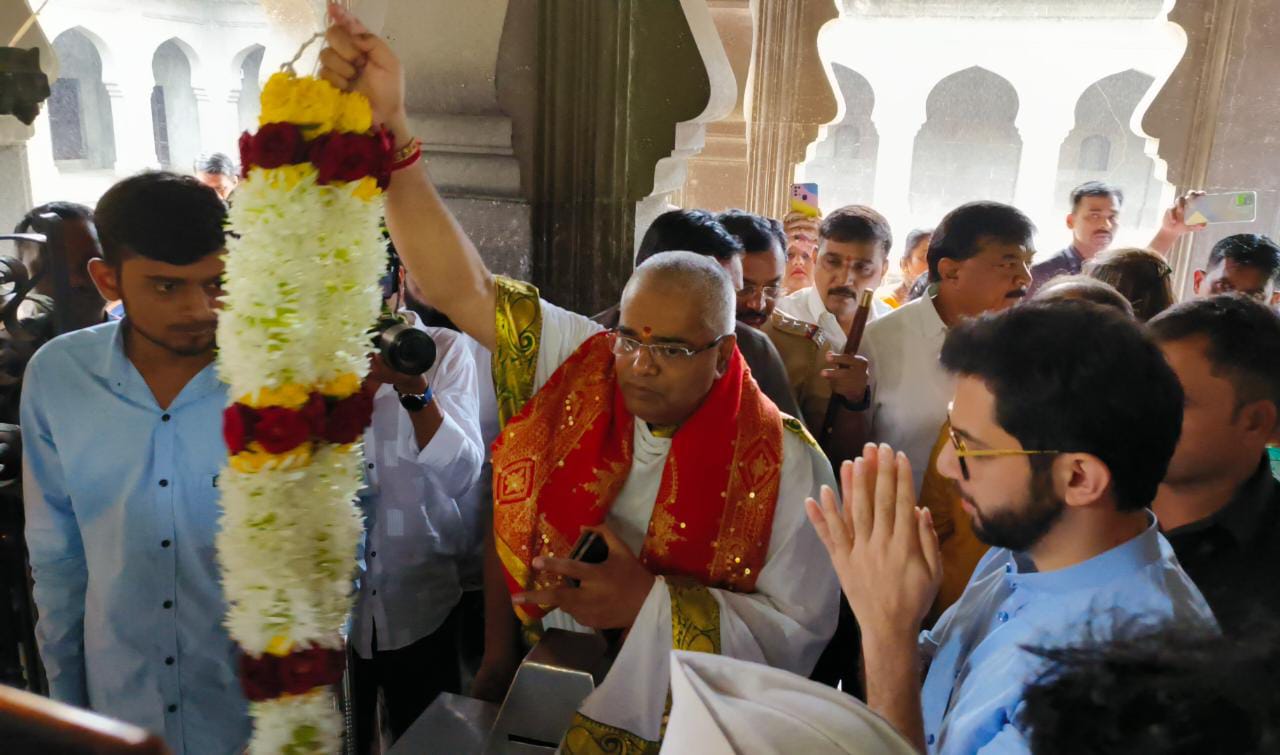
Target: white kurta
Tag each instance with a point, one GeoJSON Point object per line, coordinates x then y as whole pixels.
{"type": "Point", "coordinates": [785, 623]}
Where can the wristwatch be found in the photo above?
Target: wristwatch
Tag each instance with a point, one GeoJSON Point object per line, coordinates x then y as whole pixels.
{"type": "Point", "coordinates": [415, 402]}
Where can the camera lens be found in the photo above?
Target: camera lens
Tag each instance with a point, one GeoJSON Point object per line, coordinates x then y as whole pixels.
{"type": "Point", "coordinates": [406, 349]}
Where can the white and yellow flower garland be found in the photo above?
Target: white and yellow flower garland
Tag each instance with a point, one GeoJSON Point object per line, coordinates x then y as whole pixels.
{"type": "Point", "coordinates": [301, 294]}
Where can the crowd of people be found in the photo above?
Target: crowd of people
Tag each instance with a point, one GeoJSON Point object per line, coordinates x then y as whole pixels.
{"type": "Point", "coordinates": [1030, 511]}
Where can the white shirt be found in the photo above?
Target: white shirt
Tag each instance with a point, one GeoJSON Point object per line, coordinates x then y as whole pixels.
{"type": "Point", "coordinates": [786, 622]}
{"type": "Point", "coordinates": [909, 389]}
{"type": "Point", "coordinates": [476, 504]}
{"type": "Point", "coordinates": [808, 306]}
{"type": "Point", "coordinates": [415, 529]}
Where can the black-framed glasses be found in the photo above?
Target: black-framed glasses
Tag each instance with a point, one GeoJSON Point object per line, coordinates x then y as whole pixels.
{"type": "Point", "coordinates": [749, 291]}
{"type": "Point", "coordinates": [663, 353]}
{"type": "Point", "coordinates": [963, 452]}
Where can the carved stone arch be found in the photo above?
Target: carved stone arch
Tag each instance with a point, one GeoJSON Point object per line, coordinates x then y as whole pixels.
{"type": "Point", "coordinates": [969, 147]}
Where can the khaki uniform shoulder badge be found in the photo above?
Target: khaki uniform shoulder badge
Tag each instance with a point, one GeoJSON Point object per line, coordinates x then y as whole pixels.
{"type": "Point", "coordinates": [797, 428]}
{"type": "Point", "coordinates": [785, 323]}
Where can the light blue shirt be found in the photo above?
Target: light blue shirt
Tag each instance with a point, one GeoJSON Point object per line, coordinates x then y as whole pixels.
{"type": "Point", "coordinates": [122, 510]}
{"type": "Point", "coordinates": [972, 695]}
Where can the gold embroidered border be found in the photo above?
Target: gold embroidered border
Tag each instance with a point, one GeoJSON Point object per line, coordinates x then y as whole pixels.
{"type": "Point", "coordinates": [518, 321]}
{"type": "Point", "coordinates": [586, 736]}
{"type": "Point", "coordinates": [797, 428]}
{"type": "Point", "coordinates": [695, 616]}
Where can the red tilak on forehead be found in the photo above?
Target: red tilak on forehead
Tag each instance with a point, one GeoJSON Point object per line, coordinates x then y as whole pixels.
{"type": "Point", "coordinates": [646, 330]}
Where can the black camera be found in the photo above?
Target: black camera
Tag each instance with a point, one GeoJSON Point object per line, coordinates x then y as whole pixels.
{"type": "Point", "coordinates": [403, 347]}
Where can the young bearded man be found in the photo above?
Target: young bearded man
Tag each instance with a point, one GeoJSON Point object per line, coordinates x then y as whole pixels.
{"type": "Point", "coordinates": [1093, 220]}
{"type": "Point", "coordinates": [122, 449]}
{"type": "Point", "coordinates": [1057, 453]}
{"type": "Point", "coordinates": [652, 435]}
{"type": "Point", "coordinates": [1219, 505]}
{"type": "Point", "coordinates": [1245, 263]}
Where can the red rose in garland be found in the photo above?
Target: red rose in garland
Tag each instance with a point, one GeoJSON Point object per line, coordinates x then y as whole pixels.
{"type": "Point", "coordinates": [237, 424]}
{"type": "Point", "coordinates": [314, 413]}
{"type": "Point", "coordinates": [348, 418]}
{"type": "Point", "coordinates": [277, 144]}
{"type": "Point", "coordinates": [246, 154]}
{"type": "Point", "coordinates": [344, 157]}
{"type": "Point", "coordinates": [279, 430]}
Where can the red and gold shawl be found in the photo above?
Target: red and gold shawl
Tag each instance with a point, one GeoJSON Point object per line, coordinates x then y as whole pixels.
{"type": "Point", "coordinates": [562, 459]}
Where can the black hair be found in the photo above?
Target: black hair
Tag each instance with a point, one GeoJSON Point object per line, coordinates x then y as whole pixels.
{"type": "Point", "coordinates": [857, 222]}
{"type": "Point", "coordinates": [162, 216]}
{"type": "Point", "coordinates": [1243, 341]}
{"type": "Point", "coordinates": [1252, 249]}
{"type": "Point", "coordinates": [1084, 288]}
{"type": "Point", "coordinates": [1174, 689]}
{"type": "Point", "coordinates": [756, 232]}
{"type": "Point", "coordinates": [1095, 189]}
{"type": "Point", "coordinates": [914, 237]}
{"type": "Point", "coordinates": [962, 230]}
{"type": "Point", "coordinates": [695, 231]}
{"type": "Point", "coordinates": [64, 210]}
{"type": "Point", "coordinates": [1075, 377]}
{"type": "Point", "coordinates": [216, 163]}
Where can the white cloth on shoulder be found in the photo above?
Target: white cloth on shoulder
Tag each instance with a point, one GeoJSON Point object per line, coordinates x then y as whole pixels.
{"type": "Point", "coordinates": [726, 706]}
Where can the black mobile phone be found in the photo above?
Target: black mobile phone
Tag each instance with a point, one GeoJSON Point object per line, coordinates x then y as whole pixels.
{"type": "Point", "coordinates": [591, 548]}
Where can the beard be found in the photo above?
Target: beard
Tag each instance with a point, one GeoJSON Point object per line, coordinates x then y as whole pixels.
{"type": "Point", "coordinates": [1020, 527]}
{"type": "Point", "coordinates": [178, 344]}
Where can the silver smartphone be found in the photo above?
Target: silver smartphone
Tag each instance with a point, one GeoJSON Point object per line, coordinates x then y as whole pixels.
{"type": "Point", "coordinates": [1232, 207]}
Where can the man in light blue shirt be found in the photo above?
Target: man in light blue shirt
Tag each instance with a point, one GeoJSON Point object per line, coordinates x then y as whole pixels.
{"type": "Point", "coordinates": [1064, 418]}
{"type": "Point", "coordinates": [122, 448]}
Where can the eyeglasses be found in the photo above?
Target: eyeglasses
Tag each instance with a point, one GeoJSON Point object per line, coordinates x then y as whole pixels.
{"type": "Point", "coordinates": [662, 353]}
{"type": "Point", "coordinates": [963, 452]}
{"type": "Point", "coordinates": [749, 291]}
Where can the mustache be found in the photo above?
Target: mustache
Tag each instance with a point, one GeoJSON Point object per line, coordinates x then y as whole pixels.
{"type": "Point", "coordinates": [1018, 294]}
{"type": "Point", "coordinates": [842, 291]}
{"type": "Point", "coordinates": [194, 328]}
{"type": "Point", "coordinates": [756, 313]}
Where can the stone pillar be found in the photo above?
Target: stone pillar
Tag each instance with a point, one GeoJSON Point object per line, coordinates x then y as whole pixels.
{"type": "Point", "coordinates": [219, 120]}
{"type": "Point", "coordinates": [1045, 117]}
{"type": "Point", "coordinates": [898, 119]}
{"type": "Point", "coordinates": [451, 56]}
{"type": "Point", "coordinates": [788, 96]}
{"type": "Point", "coordinates": [717, 176]}
{"type": "Point", "coordinates": [15, 189]}
{"type": "Point", "coordinates": [615, 80]}
{"type": "Point", "coordinates": [1215, 114]}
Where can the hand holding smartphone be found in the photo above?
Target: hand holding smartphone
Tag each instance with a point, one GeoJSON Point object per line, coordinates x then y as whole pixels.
{"type": "Point", "coordinates": [591, 548]}
{"type": "Point", "coordinates": [1231, 207]}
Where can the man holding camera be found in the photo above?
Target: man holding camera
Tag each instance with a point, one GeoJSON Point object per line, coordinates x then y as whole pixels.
{"type": "Point", "coordinates": [422, 454]}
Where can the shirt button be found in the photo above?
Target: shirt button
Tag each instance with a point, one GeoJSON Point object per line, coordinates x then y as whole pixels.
{"type": "Point", "coordinates": [1002, 616]}
{"type": "Point", "coordinates": [930, 740]}
{"type": "Point", "coordinates": [164, 417]}
{"type": "Point", "coordinates": [164, 483]}
{"type": "Point", "coordinates": [1008, 568]}
{"type": "Point", "coordinates": [164, 543]}
{"type": "Point", "coordinates": [375, 592]}
{"type": "Point", "coordinates": [172, 708]}
{"type": "Point", "coordinates": [370, 465]}
{"type": "Point", "coordinates": [373, 554]}
{"type": "Point", "coordinates": [168, 661]}
{"type": "Point", "coordinates": [168, 604]}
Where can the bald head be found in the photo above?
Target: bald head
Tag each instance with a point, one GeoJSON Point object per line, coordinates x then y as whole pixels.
{"type": "Point", "coordinates": [698, 279]}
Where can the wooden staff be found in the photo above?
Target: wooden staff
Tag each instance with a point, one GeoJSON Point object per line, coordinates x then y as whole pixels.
{"type": "Point", "coordinates": [851, 345]}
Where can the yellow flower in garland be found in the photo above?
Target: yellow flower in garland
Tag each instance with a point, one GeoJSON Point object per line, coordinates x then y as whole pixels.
{"type": "Point", "coordinates": [290, 396]}
{"type": "Point", "coordinates": [314, 105]}
{"type": "Point", "coordinates": [256, 459]}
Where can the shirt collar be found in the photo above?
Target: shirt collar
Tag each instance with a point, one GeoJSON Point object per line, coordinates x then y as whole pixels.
{"type": "Point", "coordinates": [117, 368]}
{"type": "Point", "coordinates": [1241, 517]}
{"type": "Point", "coordinates": [1123, 560]}
{"type": "Point", "coordinates": [930, 321]}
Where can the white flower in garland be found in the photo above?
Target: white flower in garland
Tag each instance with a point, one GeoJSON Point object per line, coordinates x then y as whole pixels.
{"type": "Point", "coordinates": [301, 295]}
